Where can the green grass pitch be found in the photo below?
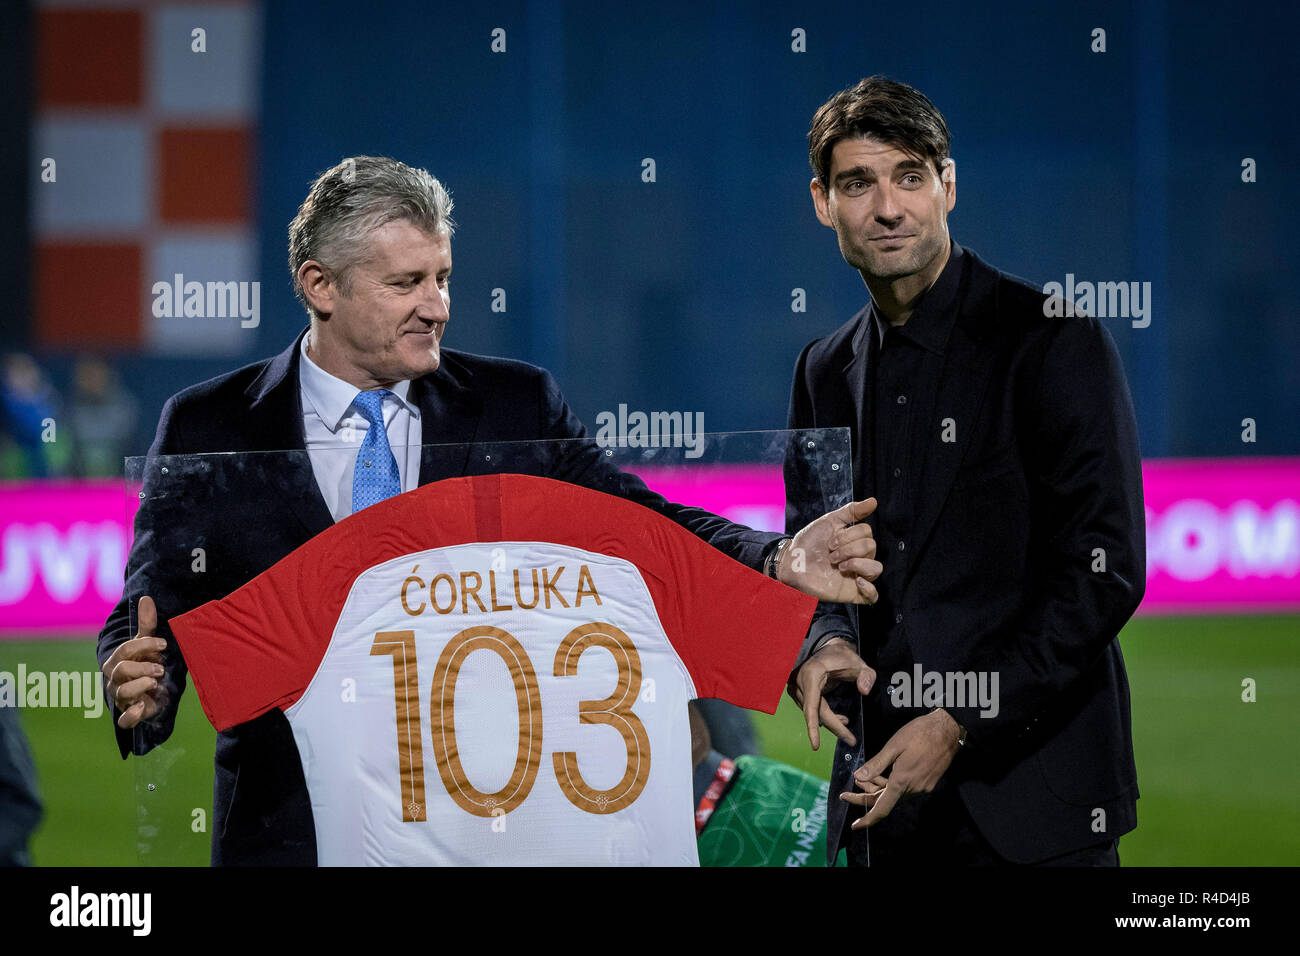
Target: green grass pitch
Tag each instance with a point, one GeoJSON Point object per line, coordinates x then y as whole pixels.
{"type": "Point", "coordinates": [1218, 776]}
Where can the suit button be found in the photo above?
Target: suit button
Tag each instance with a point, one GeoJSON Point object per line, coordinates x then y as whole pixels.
{"type": "Point", "coordinates": [902, 399]}
{"type": "Point", "coordinates": [898, 619]}
{"type": "Point", "coordinates": [901, 546]}
{"type": "Point", "coordinates": [898, 472]}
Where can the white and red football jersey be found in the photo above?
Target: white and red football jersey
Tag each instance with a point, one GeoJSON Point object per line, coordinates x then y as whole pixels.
{"type": "Point", "coordinates": [495, 670]}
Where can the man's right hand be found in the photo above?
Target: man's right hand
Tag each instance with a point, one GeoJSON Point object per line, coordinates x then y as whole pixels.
{"type": "Point", "coordinates": [835, 663]}
{"type": "Point", "coordinates": [134, 671]}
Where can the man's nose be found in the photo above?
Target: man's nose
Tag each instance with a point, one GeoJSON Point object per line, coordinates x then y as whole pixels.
{"type": "Point", "coordinates": [888, 211]}
{"type": "Point", "coordinates": [435, 306]}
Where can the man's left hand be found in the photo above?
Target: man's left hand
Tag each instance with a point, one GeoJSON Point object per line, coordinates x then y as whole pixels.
{"type": "Point", "coordinates": [920, 752]}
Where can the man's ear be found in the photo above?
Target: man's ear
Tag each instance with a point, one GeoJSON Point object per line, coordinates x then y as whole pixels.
{"type": "Point", "coordinates": [949, 179]}
{"type": "Point", "coordinates": [820, 206]}
{"type": "Point", "coordinates": [318, 286]}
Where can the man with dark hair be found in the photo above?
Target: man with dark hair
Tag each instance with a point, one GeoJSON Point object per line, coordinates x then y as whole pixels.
{"type": "Point", "coordinates": [363, 392]}
{"type": "Point", "coordinates": [1002, 448]}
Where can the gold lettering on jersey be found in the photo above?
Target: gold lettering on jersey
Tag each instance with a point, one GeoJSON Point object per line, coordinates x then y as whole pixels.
{"type": "Point", "coordinates": [615, 710]}
{"type": "Point", "coordinates": [449, 591]}
{"type": "Point", "coordinates": [492, 584]}
{"type": "Point", "coordinates": [433, 593]}
{"type": "Point", "coordinates": [467, 592]}
{"type": "Point", "coordinates": [528, 698]}
{"type": "Point", "coordinates": [549, 585]}
{"type": "Point", "coordinates": [400, 646]}
{"type": "Point", "coordinates": [519, 598]}
{"type": "Point", "coordinates": [584, 574]}
{"type": "Point", "coordinates": [419, 582]}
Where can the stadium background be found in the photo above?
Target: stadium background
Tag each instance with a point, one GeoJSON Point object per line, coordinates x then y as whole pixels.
{"type": "Point", "coordinates": [676, 294]}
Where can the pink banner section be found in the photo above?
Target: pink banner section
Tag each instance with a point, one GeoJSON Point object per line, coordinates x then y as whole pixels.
{"type": "Point", "coordinates": [1223, 537]}
{"type": "Point", "coordinates": [63, 548]}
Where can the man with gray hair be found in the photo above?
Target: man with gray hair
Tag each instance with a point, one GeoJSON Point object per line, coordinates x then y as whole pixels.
{"type": "Point", "coordinates": [370, 255]}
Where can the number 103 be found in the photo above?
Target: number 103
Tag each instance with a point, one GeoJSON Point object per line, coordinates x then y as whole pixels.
{"type": "Point", "coordinates": [615, 710]}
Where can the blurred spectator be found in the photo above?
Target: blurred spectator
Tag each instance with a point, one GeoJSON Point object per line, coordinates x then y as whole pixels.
{"type": "Point", "coordinates": [29, 405]}
{"type": "Point", "coordinates": [20, 808]}
{"type": "Point", "coordinates": [730, 728]}
{"type": "Point", "coordinates": [102, 416]}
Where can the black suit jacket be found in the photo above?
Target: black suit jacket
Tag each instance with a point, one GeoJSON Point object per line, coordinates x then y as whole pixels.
{"type": "Point", "coordinates": [247, 518]}
{"type": "Point", "coordinates": [998, 575]}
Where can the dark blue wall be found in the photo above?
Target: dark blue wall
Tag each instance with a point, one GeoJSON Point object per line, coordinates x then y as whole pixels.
{"type": "Point", "coordinates": [676, 295]}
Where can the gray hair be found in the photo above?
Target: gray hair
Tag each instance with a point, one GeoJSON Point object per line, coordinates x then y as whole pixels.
{"type": "Point", "coordinates": [349, 201]}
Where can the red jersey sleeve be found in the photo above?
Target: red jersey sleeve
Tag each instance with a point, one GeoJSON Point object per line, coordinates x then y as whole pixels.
{"type": "Point", "coordinates": [737, 631]}
{"type": "Point", "coordinates": [259, 647]}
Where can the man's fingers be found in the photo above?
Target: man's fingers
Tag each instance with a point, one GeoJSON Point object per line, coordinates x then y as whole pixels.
{"type": "Point", "coordinates": [132, 691]}
{"type": "Point", "coordinates": [142, 709]}
{"type": "Point", "coordinates": [862, 567]}
{"type": "Point", "coordinates": [881, 762]}
{"type": "Point", "coordinates": [835, 724]}
{"type": "Point", "coordinates": [858, 799]}
{"type": "Point", "coordinates": [850, 533]}
{"type": "Point", "coordinates": [870, 784]}
{"type": "Point", "coordinates": [147, 617]}
{"type": "Point", "coordinates": [140, 704]}
{"type": "Point", "coordinates": [855, 511]}
{"type": "Point", "coordinates": [128, 671]}
{"type": "Point", "coordinates": [855, 541]}
{"type": "Point", "coordinates": [866, 680]}
{"type": "Point", "coordinates": [867, 591]}
{"type": "Point", "coordinates": [810, 702]}
{"type": "Point", "coordinates": [131, 716]}
{"type": "Point", "coordinates": [136, 649]}
{"type": "Point", "coordinates": [883, 805]}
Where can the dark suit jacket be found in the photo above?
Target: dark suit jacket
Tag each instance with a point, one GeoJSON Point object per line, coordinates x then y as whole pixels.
{"type": "Point", "coordinates": [998, 575]}
{"type": "Point", "coordinates": [247, 516]}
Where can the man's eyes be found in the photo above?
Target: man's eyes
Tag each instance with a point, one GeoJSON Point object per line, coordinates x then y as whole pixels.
{"type": "Point", "coordinates": [409, 282]}
{"type": "Point", "coordinates": [855, 187]}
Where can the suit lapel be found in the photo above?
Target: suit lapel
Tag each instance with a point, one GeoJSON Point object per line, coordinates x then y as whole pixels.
{"type": "Point", "coordinates": [275, 417]}
{"type": "Point", "coordinates": [859, 408]}
{"type": "Point", "coordinates": [450, 412]}
{"type": "Point", "coordinates": [950, 402]}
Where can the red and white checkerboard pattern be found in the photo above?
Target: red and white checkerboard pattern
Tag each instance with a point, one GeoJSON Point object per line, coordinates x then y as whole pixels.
{"type": "Point", "coordinates": [154, 146]}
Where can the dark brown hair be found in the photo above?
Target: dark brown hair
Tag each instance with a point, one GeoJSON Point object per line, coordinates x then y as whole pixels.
{"type": "Point", "coordinates": [885, 109]}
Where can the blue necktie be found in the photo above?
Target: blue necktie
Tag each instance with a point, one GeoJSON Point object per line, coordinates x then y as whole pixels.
{"type": "Point", "coordinates": [375, 476]}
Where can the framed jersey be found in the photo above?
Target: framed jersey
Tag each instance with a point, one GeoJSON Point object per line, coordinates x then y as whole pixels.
{"type": "Point", "coordinates": [494, 670]}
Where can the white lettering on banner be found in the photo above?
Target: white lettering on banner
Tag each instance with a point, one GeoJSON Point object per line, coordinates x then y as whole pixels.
{"type": "Point", "coordinates": [65, 561]}
{"type": "Point", "coordinates": [1187, 540]}
{"type": "Point", "coordinates": [1263, 544]}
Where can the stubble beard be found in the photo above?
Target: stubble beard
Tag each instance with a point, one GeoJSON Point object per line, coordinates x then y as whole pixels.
{"type": "Point", "coordinates": [873, 266]}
